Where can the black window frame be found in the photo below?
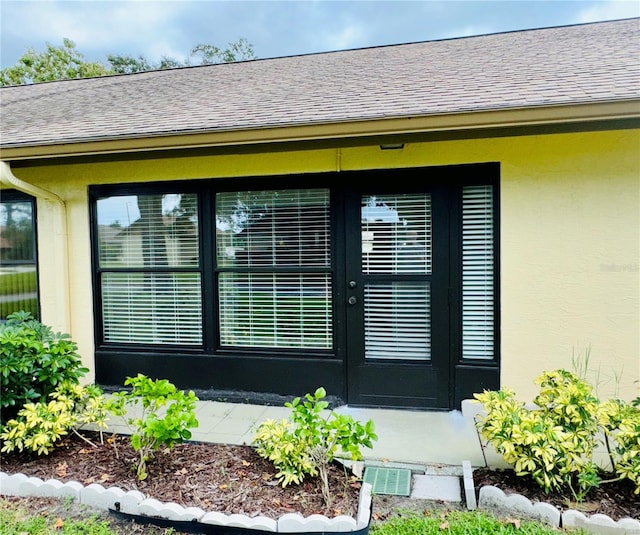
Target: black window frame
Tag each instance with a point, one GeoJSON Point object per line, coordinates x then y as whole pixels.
{"type": "Point", "coordinates": [13, 195]}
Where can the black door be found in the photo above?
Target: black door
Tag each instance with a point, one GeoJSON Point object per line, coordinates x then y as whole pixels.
{"type": "Point", "coordinates": [397, 293]}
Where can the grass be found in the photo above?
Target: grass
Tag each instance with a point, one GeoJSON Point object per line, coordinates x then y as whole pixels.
{"type": "Point", "coordinates": [460, 523]}
{"type": "Point", "coordinates": [16, 520]}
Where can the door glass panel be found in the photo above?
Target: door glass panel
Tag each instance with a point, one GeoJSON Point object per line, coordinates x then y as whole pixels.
{"type": "Point", "coordinates": [397, 240]}
{"type": "Point", "coordinates": [396, 234]}
{"type": "Point", "coordinates": [397, 321]}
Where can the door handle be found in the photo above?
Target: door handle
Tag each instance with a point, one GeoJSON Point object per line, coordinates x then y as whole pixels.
{"type": "Point", "coordinates": [352, 300]}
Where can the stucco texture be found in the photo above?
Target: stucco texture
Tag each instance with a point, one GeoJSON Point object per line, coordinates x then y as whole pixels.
{"type": "Point", "coordinates": [569, 239]}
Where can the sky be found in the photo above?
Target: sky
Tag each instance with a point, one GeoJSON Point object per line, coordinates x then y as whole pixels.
{"type": "Point", "coordinates": [275, 28]}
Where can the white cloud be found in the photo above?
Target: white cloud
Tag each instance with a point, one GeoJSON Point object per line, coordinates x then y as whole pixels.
{"type": "Point", "coordinates": [351, 36]}
{"type": "Point", "coordinates": [610, 10]}
{"type": "Point", "coordinates": [118, 26]}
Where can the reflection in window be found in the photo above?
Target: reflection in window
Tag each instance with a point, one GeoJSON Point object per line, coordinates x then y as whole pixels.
{"type": "Point", "coordinates": [18, 267]}
{"type": "Point", "coordinates": [274, 255]}
{"type": "Point", "coordinates": [149, 269]}
{"type": "Point", "coordinates": [396, 234]}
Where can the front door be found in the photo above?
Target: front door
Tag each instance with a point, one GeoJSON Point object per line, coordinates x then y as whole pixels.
{"type": "Point", "coordinates": [397, 293]}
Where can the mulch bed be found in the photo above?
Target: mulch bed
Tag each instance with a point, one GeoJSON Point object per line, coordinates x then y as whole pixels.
{"type": "Point", "coordinates": [214, 477]}
{"type": "Point", "coordinates": [235, 479]}
{"type": "Point", "coordinates": [616, 499]}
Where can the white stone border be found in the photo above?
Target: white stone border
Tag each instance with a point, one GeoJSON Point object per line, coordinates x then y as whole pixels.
{"type": "Point", "coordinates": [133, 502]}
{"type": "Point", "coordinates": [494, 499]}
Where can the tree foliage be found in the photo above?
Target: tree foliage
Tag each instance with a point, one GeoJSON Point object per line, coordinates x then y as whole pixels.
{"type": "Point", "coordinates": [55, 63]}
{"type": "Point", "coordinates": [65, 62]}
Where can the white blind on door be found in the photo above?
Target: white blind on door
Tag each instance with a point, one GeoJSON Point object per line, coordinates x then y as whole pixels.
{"type": "Point", "coordinates": [478, 307]}
{"type": "Point", "coordinates": [397, 321]}
{"type": "Point", "coordinates": [396, 234]}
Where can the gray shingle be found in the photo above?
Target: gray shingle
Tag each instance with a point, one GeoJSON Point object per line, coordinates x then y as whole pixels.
{"type": "Point", "coordinates": [572, 64]}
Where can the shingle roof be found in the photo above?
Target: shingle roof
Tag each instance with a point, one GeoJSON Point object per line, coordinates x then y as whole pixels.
{"type": "Point", "coordinates": [587, 63]}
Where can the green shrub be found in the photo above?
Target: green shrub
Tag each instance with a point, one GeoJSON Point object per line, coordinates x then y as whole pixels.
{"type": "Point", "coordinates": [308, 442]}
{"type": "Point", "coordinates": [152, 430]}
{"type": "Point", "coordinates": [33, 362]}
{"type": "Point", "coordinates": [39, 426]}
{"type": "Point", "coordinates": [621, 424]}
{"type": "Point", "coordinates": [554, 440]}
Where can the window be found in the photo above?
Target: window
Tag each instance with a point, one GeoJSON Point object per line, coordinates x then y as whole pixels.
{"type": "Point", "coordinates": [478, 309]}
{"type": "Point", "coordinates": [149, 269]}
{"type": "Point", "coordinates": [273, 256]}
{"type": "Point", "coordinates": [18, 264]}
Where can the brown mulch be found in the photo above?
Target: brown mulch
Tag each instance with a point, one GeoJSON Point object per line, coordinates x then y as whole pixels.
{"type": "Point", "coordinates": [235, 479]}
{"type": "Point", "coordinates": [214, 477]}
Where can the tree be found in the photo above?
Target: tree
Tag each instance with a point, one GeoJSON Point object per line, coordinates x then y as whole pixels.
{"type": "Point", "coordinates": [55, 63]}
{"type": "Point", "coordinates": [65, 62]}
{"type": "Point", "coordinates": [206, 54]}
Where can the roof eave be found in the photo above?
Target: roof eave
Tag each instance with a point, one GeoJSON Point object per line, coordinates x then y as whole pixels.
{"type": "Point", "coordinates": [475, 120]}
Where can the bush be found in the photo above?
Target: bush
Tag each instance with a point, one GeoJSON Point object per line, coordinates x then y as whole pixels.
{"type": "Point", "coordinates": [308, 442]}
{"type": "Point", "coordinates": [39, 426]}
{"type": "Point", "coordinates": [621, 424]}
{"type": "Point", "coordinates": [33, 362]}
{"type": "Point", "coordinates": [554, 441]}
{"type": "Point", "coordinates": [151, 430]}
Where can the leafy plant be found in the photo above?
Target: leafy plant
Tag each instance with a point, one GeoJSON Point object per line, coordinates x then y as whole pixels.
{"type": "Point", "coordinates": [153, 430]}
{"type": "Point", "coordinates": [554, 440]}
{"type": "Point", "coordinates": [620, 422]}
{"type": "Point", "coordinates": [309, 441]}
{"type": "Point", "coordinates": [34, 361]}
{"type": "Point", "coordinates": [39, 426]}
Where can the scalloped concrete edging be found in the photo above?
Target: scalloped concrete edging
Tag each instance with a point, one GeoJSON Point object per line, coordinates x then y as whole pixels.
{"type": "Point", "coordinates": [134, 502]}
{"type": "Point", "coordinates": [493, 498]}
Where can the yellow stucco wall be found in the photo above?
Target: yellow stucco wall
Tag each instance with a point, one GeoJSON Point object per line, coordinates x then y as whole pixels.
{"type": "Point", "coordinates": [569, 239]}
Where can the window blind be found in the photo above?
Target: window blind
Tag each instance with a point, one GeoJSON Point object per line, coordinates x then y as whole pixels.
{"type": "Point", "coordinates": [397, 321]}
{"type": "Point", "coordinates": [143, 240]}
{"type": "Point", "coordinates": [274, 287]}
{"type": "Point", "coordinates": [275, 310]}
{"type": "Point", "coordinates": [152, 308]}
{"type": "Point", "coordinates": [477, 273]}
{"type": "Point", "coordinates": [396, 234]}
{"type": "Point", "coordinates": [397, 240]}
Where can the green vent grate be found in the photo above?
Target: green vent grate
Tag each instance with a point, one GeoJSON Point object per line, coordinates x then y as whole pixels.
{"type": "Point", "coordinates": [392, 481]}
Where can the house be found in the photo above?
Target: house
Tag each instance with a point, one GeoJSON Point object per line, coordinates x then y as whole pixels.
{"type": "Point", "coordinates": [404, 225]}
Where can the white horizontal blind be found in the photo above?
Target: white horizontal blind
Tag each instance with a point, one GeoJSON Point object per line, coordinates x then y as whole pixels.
{"type": "Point", "coordinates": [270, 245]}
{"type": "Point", "coordinates": [478, 307]}
{"type": "Point", "coordinates": [275, 310]}
{"type": "Point", "coordinates": [396, 234]}
{"type": "Point", "coordinates": [397, 240]}
{"type": "Point", "coordinates": [397, 321]}
{"type": "Point", "coordinates": [152, 308]}
{"type": "Point", "coordinates": [141, 240]}
{"type": "Point", "coordinates": [273, 228]}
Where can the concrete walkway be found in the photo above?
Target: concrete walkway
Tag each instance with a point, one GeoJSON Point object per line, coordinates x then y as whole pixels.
{"type": "Point", "coordinates": [404, 436]}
